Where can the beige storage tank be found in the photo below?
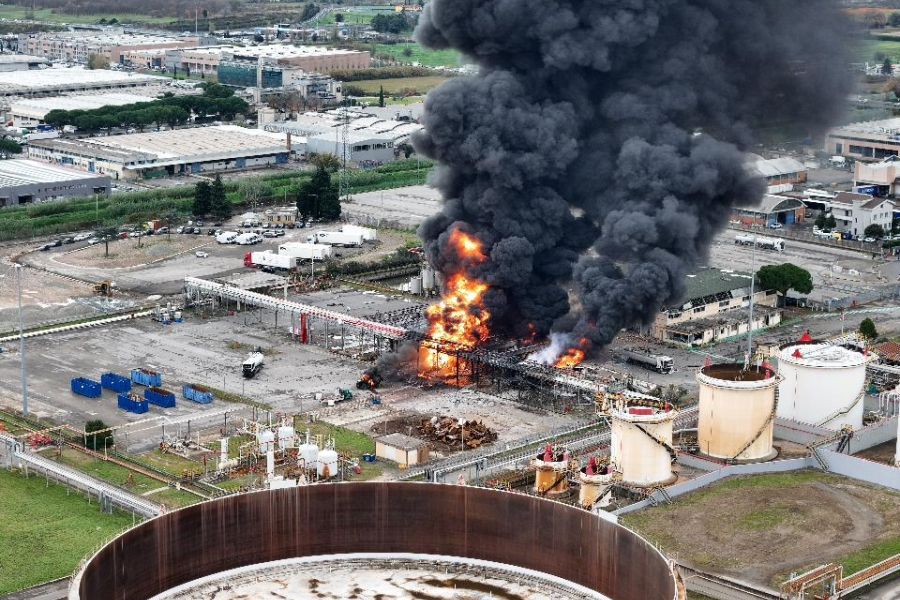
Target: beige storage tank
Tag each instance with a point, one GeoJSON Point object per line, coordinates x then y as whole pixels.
{"type": "Point", "coordinates": [822, 384]}
{"type": "Point", "coordinates": [642, 444]}
{"type": "Point", "coordinates": [594, 479]}
{"type": "Point", "coordinates": [737, 412]}
{"type": "Point", "coordinates": [551, 468]}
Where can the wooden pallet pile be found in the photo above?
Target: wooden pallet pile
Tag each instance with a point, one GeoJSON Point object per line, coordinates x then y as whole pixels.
{"type": "Point", "coordinates": [452, 432]}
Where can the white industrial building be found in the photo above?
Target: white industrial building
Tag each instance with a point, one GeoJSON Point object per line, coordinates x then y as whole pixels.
{"type": "Point", "coordinates": [78, 46]}
{"type": "Point", "coordinates": [167, 153]}
{"type": "Point", "coordinates": [314, 59]}
{"type": "Point", "coordinates": [27, 182]}
{"type": "Point", "coordinates": [22, 62]}
{"type": "Point", "coordinates": [369, 139]}
{"type": "Point", "coordinates": [63, 80]}
{"type": "Point", "coordinates": [855, 212]}
{"type": "Point", "coordinates": [30, 112]}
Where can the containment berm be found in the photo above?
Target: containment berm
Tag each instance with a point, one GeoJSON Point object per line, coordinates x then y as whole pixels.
{"type": "Point", "coordinates": [197, 393]}
{"type": "Point", "coordinates": [86, 387]}
{"type": "Point", "coordinates": [115, 382]}
{"type": "Point", "coordinates": [160, 397]}
{"type": "Point", "coordinates": [377, 517]}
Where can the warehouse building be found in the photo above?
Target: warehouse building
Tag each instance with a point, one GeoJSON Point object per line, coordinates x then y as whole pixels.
{"type": "Point", "coordinates": [22, 62]}
{"type": "Point", "coordinates": [773, 210]}
{"type": "Point", "coordinates": [78, 46]}
{"type": "Point", "coordinates": [714, 307]}
{"type": "Point", "coordinates": [57, 81]}
{"type": "Point", "coordinates": [30, 112]}
{"type": "Point", "coordinates": [867, 141]}
{"type": "Point", "coordinates": [25, 181]}
{"type": "Point", "coordinates": [313, 59]}
{"type": "Point", "coordinates": [781, 174]}
{"type": "Point", "coordinates": [167, 153]}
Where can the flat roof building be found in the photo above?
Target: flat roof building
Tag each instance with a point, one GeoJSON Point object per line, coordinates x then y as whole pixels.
{"type": "Point", "coordinates": [856, 212]}
{"type": "Point", "coordinates": [30, 112]}
{"type": "Point", "coordinates": [22, 62]}
{"type": "Point", "coordinates": [78, 46]}
{"type": "Point", "coordinates": [25, 181]}
{"type": "Point", "coordinates": [313, 59]}
{"type": "Point", "coordinates": [867, 141]}
{"type": "Point", "coordinates": [167, 153]}
{"type": "Point", "coordinates": [63, 80]}
{"type": "Point", "coordinates": [781, 174]}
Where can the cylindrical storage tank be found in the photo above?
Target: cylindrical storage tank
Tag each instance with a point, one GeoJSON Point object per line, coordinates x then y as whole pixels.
{"type": "Point", "coordinates": [327, 464]}
{"type": "Point", "coordinates": [550, 472]}
{"type": "Point", "coordinates": [415, 285]}
{"type": "Point", "coordinates": [736, 414]}
{"type": "Point", "coordinates": [309, 453]}
{"type": "Point", "coordinates": [822, 384]}
{"type": "Point", "coordinates": [286, 437]}
{"type": "Point", "coordinates": [428, 282]}
{"type": "Point", "coordinates": [642, 438]}
{"type": "Point", "coordinates": [266, 440]}
{"type": "Point", "coordinates": [593, 478]}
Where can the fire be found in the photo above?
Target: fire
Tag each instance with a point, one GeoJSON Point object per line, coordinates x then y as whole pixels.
{"type": "Point", "coordinates": [459, 322]}
{"type": "Point", "coordinates": [573, 356]}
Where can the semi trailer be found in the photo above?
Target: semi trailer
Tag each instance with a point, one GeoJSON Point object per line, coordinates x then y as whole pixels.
{"type": "Point", "coordinates": [305, 251]}
{"type": "Point", "coordinates": [337, 238]}
{"type": "Point", "coordinates": [647, 359]}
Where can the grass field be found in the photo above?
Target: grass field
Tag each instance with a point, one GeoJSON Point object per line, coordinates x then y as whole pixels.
{"type": "Point", "coordinates": [8, 11]}
{"type": "Point", "coordinates": [418, 85]}
{"type": "Point", "coordinates": [172, 498]}
{"type": "Point", "coordinates": [866, 50]}
{"type": "Point", "coordinates": [356, 15]}
{"type": "Point", "coordinates": [170, 463]}
{"type": "Point", "coordinates": [763, 527]}
{"type": "Point", "coordinates": [107, 471]}
{"type": "Point", "coordinates": [45, 539]}
{"type": "Point", "coordinates": [420, 55]}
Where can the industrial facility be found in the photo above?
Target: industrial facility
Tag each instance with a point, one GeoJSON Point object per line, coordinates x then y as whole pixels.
{"type": "Point", "coordinates": [30, 112]}
{"type": "Point", "coordinates": [62, 80]}
{"type": "Point", "coordinates": [166, 153]}
{"type": "Point", "coordinates": [312, 59]}
{"type": "Point", "coordinates": [32, 182]}
{"type": "Point", "coordinates": [78, 46]}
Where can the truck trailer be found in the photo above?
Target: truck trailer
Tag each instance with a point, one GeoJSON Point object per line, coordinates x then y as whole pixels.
{"type": "Point", "coordinates": [765, 243]}
{"type": "Point", "coordinates": [337, 238]}
{"type": "Point", "coordinates": [270, 259]}
{"type": "Point", "coordinates": [252, 364]}
{"type": "Point", "coordinates": [369, 234]}
{"type": "Point", "coordinates": [304, 251]}
{"type": "Point", "coordinates": [647, 359]}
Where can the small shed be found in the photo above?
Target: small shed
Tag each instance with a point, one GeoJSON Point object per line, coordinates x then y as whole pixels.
{"type": "Point", "coordinates": [402, 449]}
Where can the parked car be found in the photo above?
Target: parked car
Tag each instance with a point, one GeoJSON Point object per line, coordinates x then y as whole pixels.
{"type": "Point", "coordinates": [269, 233]}
{"type": "Point", "coordinates": [210, 231]}
{"type": "Point", "coordinates": [201, 254]}
{"type": "Point", "coordinates": [83, 236]}
{"type": "Point", "coordinates": [135, 234]}
{"type": "Point", "coordinates": [869, 240]}
{"type": "Point", "coordinates": [45, 247]}
{"type": "Point", "coordinates": [56, 243]}
{"type": "Point", "coordinates": [68, 240]}
{"type": "Point", "coordinates": [94, 240]}
{"type": "Point", "coordinates": [123, 235]}
{"type": "Point", "coordinates": [162, 230]}
{"type": "Point", "coordinates": [775, 226]}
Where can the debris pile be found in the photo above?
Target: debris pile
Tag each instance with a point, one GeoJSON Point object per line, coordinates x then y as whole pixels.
{"type": "Point", "coordinates": [452, 432]}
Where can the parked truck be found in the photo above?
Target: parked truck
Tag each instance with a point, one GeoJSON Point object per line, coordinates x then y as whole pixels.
{"type": "Point", "coordinates": [252, 364]}
{"type": "Point", "coordinates": [270, 260]}
{"type": "Point", "coordinates": [337, 238]}
{"type": "Point", "coordinates": [766, 243]}
{"type": "Point", "coordinates": [369, 234]}
{"type": "Point", "coordinates": [304, 251]}
{"type": "Point", "coordinates": [227, 237]}
{"type": "Point", "coordinates": [647, 359]}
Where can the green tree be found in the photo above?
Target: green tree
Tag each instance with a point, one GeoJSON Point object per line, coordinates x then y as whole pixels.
{"type": "Point", "coordinates": [381, 96]}
{"type": "Point", "coordinates": [107, 234]}
{"type": "Point", "coordinates": [408, 52]}
{"type": "Point", "coordinates": [219, 204]}
{"type": "Point", "coordinates": [874, 231]}
{"type": "Point", "coordinates": [894, 19]}
{"type": "Point", "coordinates": [10, 146]}
{"type": "Point", "coordinates": [867, 329]}
{"type": "Point", "coordinates": [202, 199]}
{"type": "Point", "coordinates": [309, 11]}
{"type": "Point", "coordinates": [820, 221]}
{"type": "Point", "coordinates": [254, 190]}
{"type": "Point", "coordinates": [886, 67]}
{"type": "Point", "coordinates": [830, 222]}
{"type": "Point", "coordinates": [784, 277]}
{"type": "Point", "coordinates": [318, 197]}
{"type": "Point", "coordinates": [338, 18]}
{"type": "Point", "coordinates": [328, 162]}
{"type": "Point", "coordinates": [97, 441]}
{"type": "Point", "coordinates": [97, 61]}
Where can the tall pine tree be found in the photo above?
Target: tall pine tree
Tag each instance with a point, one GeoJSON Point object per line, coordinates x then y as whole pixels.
{"type": "Point", "coordinates": [219, 205]}
{"type": "Point", "coordinates": [202, 198]}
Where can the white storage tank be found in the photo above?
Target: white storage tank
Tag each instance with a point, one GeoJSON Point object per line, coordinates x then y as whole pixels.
{"type": "Point", "coordinates": [286, 436]}
{"type": "Point", "coordinates": [415, 285]}
{"type": "Point", "coordinates": [327, 464]}
{"type": "Point", "coordinates": [822, 384]}
{"type": "Point", "coordinates": [642, 444]}
{"type": "Point", "coordinates": [265, 439]}
{"type": "Point", "coordinates": [737, 412]}
{"type": "Point", "coordinates": [428, 280]}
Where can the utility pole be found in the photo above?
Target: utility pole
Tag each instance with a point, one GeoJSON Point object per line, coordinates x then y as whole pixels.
{"type": "Point", "coordinates": [22, 342]}
{"type": "Point", "coordinates": [752, 292]}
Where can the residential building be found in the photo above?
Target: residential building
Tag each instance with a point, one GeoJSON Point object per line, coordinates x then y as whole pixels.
{"type": "Point", "coordinates": [867, 141]}
{"type": "Point", "coordinates": [281, 216]}
{"type": "Point", "coordinates": [25, 181]}
{"type": "Point", "coordinates": [772, 210]}
{"type": "Point", "coordinates": [78, 46]}
{"type": "Point", "coordinates": [166, 153]}
{"type": "Point", "coordinates": [855, 212]}
{"type": "Point", "coordinates": [714, 307]}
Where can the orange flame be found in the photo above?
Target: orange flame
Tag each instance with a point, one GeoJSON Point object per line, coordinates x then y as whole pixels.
{"type": "Point", "coordinates": [573, 356]}
{"type": "Point", "coordinates": [459, 321]}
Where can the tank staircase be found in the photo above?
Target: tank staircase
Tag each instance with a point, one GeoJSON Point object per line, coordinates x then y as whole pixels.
{"type": "Point", "coordinates": [673, 454]}
{"type": "Point", "coordinates": [658, 495]}
{"type": "Point", "coordinates": [769, 420]}
{"type": "Point", "coordinates": [843, 411]}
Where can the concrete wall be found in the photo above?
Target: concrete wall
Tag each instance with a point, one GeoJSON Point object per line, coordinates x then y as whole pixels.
{"type": "Point", "coordinates": [862, 469]}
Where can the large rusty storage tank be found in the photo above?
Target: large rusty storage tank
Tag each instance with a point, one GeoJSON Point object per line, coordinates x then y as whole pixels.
{"type": "Point", "coordinates": [642, 444]}
{"type": "Point", "coordinates": [737, 412]}
{"type": "Point", "coordinates": [469, 523]}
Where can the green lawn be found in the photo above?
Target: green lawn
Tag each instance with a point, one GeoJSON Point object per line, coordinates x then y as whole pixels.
{"type": "Point", "coordinates": [420, 55]}
{"type": "Point", "coordinates": [8, 11]}
{"type": "Point", "coordinates": [170, 462]}
{"type": "Point", "coordinates": [866, 50]}
{"type": "Point", "coordinates": [173, 499]}
{"type": "Point", "coordinates": [870, 555]}
{"type": "Point", "coordinates": [345, 440]}
{"type": "Point", "coordinates": [107, 471]}
{"type": "Point", "coordinates": [418, 85]}
{"type": "Point", "coordinates": [47, 530]}
{"type": "Point", "coordinates": [356, 15]}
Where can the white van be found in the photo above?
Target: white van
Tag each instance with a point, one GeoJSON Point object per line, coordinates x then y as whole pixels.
{"type": "Point", "coordinates": [248, 239]}
{"type": "Point", "coordinates": [227, 237]}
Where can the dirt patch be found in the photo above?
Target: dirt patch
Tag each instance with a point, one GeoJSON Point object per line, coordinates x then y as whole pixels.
{"type": "Point", "coordinates": [883, 453]}
{"type": "Point", "coordinates": [127, 253]}
{"type": "Point", "coordinates": [763, 527]}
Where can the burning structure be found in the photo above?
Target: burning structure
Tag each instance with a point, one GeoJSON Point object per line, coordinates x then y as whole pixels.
{"type": "Point", "coordinates": [598, 151]}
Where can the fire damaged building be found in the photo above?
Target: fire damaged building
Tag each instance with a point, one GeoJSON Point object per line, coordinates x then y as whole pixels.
{"type": "Point", "coordinates": [715, 307]}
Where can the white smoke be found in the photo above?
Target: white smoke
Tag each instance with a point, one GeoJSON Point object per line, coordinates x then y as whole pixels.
{"type": "Point", "coordinates": [559, 343]}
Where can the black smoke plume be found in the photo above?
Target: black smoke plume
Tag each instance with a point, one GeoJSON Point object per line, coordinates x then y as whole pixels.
{"type": "Point", "coordinates": [601, 145]}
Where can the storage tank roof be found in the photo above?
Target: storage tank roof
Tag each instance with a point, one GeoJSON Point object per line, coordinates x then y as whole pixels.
{"type": "Point", "coordinates": [822, 355]}
{"type": "Point", "coordinates": [735, 377]}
